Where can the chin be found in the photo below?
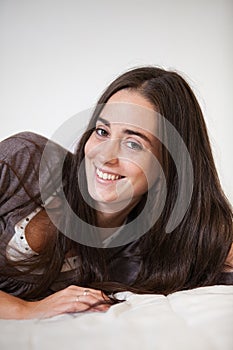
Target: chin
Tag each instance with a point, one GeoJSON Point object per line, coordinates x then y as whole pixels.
{"type": "Point", "coordinates": [98, 198]}
{"type": "Point", "coordinates": [111, 204]}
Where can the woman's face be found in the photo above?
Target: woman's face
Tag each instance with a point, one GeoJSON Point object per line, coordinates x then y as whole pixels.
{"type": "Point", "coordinates": [120, 155]}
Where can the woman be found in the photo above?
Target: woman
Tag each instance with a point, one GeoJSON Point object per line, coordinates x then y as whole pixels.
{"type": "Point", "coordinates": [142, 184]}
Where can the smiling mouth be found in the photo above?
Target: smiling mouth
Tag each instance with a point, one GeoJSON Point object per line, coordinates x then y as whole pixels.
{"type": "Point", "coordinates": [108, 176]}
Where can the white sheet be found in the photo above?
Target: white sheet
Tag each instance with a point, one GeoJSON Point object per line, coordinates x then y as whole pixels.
{"type": "Point", "coordinates": [198, 319]}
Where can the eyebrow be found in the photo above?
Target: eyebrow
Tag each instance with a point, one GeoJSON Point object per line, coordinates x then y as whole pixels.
{"type": "Point", "coordinates": [126, 131]}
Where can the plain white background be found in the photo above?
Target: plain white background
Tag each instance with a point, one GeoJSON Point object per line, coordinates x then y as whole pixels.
{"type": "Point", "coordinates": [57, 56]}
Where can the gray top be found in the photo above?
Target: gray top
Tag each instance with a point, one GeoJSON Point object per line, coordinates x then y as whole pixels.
{"type": "Point", "coordinates": [20, 159]}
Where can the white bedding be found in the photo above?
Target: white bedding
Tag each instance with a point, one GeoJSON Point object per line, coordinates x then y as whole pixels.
{"type": "Point", "coordinates": [200, 319]}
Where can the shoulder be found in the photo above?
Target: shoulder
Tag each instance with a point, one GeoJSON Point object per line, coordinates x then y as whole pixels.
{"type": "Point", "coordinates": [25, 136]}
{"type": "Point", "coordinates": [26, 168]}
{"type": "Point", "coordinates": [26, 147]}
{"type": "Point", "coordinates": [23, 143]}
{"type": "Point", "coordinates": [19, 164]}
{"type": "Point", "coordinates": [27, 157]}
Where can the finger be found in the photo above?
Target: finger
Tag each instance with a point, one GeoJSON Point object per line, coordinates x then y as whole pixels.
{"type": "Point", "coordinates": [82, 289]}
{"type": "Point", "coordinates": [83, 305]}
{"type": "Point", "coordinates": [89, 299]}
{"type": "Point", "coordinates": [97, 293]}
{"type": "Point", "coordinates": [85, 291]}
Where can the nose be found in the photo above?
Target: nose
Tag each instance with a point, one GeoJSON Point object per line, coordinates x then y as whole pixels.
{"type": "Point", "coordinates": [109, 152]}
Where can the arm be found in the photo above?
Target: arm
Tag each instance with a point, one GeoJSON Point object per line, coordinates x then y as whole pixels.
{"type": "Point", "coordinates": [10, 306]}
{"type": "Point", "coordinates": [71, 299]}
{"type": "Point", "coordinates": [19, 161]}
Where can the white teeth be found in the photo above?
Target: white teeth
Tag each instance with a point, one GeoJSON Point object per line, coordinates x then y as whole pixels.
{"type": "Point", "coordinates": [106, 176]}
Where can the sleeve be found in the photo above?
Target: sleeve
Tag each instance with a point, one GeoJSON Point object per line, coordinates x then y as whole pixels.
{"type": "Point", "coordinates": [29, 163]}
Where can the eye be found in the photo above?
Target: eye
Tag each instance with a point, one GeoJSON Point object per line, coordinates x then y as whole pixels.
{"type": "Point", "coordinates": [101, 132]}
{"type": "Point", "coordinates": [134, 145]}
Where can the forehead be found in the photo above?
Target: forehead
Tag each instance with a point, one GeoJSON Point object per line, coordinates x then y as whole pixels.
{"type": "Point", "coordinates": [128, 107]}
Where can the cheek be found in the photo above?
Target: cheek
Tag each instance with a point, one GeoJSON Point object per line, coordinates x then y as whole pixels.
{"type": "Point", "coordinates": [89, 149]}
{"type": "Point", "coordinates": [147, 173]}
{"type": "Point", "coordinates": [139, 181]}
{"type": "Point", "coordinates": [136, 174]}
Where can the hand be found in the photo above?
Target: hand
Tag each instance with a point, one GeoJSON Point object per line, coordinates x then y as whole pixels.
{"type": "Point", "coordinates": [70, 299]}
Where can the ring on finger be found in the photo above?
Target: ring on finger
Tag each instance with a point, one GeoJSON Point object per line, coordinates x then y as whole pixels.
{"type": "Point", "coordinates": [86, 292]}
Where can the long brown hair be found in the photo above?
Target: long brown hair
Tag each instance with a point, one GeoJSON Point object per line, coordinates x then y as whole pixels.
{"type": "Point", "coordinates": [194, 253]}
